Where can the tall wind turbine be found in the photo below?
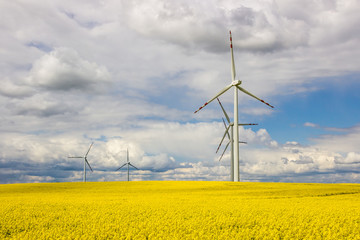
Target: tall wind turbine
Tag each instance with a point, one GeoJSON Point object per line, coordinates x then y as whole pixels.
{"type": "Point", "coordinates": [236, 84]}
{"type": "Point", "coordinates": [128, 164]}
{"type": "Point", "coordinates": [230, 137]}
{"type": "Point", "coordinates": [85, 161]}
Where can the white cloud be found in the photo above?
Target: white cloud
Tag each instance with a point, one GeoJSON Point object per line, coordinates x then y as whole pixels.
{"type": "Point", "coordinates": [309, 124]}
{"type": "Point", "coordinates": [153, 156]}
{"type": "Point", "coordinates": [348, 141]}
{"type": "Point", "coordinates": [41, 106]}
{"type": "Point", "coordinates": [351, 158]}
{"type": "Point", "coordinates": [63, 70]}
{"type": "Point", "coordinates": [14, 90]}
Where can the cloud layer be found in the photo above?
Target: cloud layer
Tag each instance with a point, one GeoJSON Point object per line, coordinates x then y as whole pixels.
{"type": "Point", "coordinates": [129, 75]}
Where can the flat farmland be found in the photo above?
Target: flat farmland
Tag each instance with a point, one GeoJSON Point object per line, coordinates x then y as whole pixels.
{"type": "Point", "coordinates": [179, 210]}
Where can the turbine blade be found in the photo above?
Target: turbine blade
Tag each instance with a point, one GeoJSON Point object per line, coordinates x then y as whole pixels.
{"type": "Point", "coordinates": [226, 128]}
{"type": "Point", "coordinates": [133, 166]}
{"type": "Point", "coordinates": [226, 131]}
{"type": "Point", "coordinates": [247, 124]}
{"type": "Point", "coordinates": [217, 95]}
{"type": "Point", "coordinates": [88, 164]}
{"type": "Point", "coordinates": [242, 142]}
{"type": "Point", "coordinates": [252, 95]}
{"type": "Point", "coordinates": [89, 149]}
{"type": "Point", "coordinates": [224, 151]}
{"type": "Point", "coordinates": [233, 73]}
{"type": "Point", "coordinates": [227, 117]}
{"type": "Point", "coordinates": [121, 167]}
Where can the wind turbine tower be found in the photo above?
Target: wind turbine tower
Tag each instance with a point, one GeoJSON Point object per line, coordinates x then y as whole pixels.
{"type": "Point", "coordinates": [128, 164]}
{"type": "Point", "coordinates": [230, 137]}
{"type": "Point", "coordinates": [85, 161]}
{"type": "Point", "coordinates": [236, 84]}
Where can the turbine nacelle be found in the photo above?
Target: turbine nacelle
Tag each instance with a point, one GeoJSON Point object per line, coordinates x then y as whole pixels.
{"type": "Point", "coordinates": [236, 83]}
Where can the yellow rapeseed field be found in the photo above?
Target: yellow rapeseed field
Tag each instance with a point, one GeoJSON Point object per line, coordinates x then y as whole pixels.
{"type": "Point", "coordinates": [179, 210]}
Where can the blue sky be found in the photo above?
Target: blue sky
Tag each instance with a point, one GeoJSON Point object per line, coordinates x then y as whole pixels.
{"type": "Point", "coordinates": [130, 74]}
{"type": "Point", "coordinates": [333, 105]}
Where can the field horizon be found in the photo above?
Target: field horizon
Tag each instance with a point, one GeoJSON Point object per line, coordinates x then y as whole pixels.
{"type": "Point", "coordinates": [180, 210]}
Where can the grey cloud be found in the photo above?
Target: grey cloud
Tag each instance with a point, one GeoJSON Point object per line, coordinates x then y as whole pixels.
{"type": "Point", "coordinates": [41, 105]}
{"type": "Point", "coordinates": [243, 15]}
{"type": "Point", "coordinates": [303, 160]}
{"type": "Point", "coordinates": [12, 89]}
{"type": "Point", "coordinates": [160, 162]}
{"type": "Point", "coordinates": [15, 170]}
{"type": "Point", "coordinates": [63, 70]}
{"type": "Point", "coordinates": [351, 158]}
{"type": "Point", "coordinates": [45, 111]}
{"type": "Point", "coordinates": [256, 29]}
{"type": "Point", "coordinates": [257, 26]}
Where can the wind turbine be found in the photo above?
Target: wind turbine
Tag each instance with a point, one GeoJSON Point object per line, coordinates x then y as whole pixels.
{"type": "Point", "coordinates": [230, 137]}
{"type": "Point", "coordinates": [86, 161]}
{"type": "Point", "coordinates": [236, 84]}
{"type": "Point", "coordinates": [128, 164]}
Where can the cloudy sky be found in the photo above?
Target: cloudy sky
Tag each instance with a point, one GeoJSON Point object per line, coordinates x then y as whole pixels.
{"type": "Point", "coordinates": [130, 74]}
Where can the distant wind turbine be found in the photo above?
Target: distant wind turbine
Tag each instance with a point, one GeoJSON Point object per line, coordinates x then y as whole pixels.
{"type": "Point", "coordinates": [230, 137]}
{"type": "Point", "coordinates": [86, 161]}
{"type": "Point", "coordinates": [128, 164]}
{"type": "Point", "coordinates": [236, 84]}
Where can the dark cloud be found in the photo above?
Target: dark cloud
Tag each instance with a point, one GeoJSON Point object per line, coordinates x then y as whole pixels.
{"type": "Point", "coordinates": [45, 110]}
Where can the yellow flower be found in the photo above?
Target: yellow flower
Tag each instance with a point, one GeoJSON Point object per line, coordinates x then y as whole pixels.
{"type": "Point", "coordinates": [179, 210]}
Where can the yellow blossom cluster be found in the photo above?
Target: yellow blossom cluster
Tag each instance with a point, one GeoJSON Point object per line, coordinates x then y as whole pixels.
{"type": "Point", "coordinates": [179, 210]}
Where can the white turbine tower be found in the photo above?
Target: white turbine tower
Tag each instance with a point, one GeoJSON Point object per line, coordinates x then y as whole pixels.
{"type": "Point", "coordinates": [230, 137]}
{"type": "Point", "coordinates": [236, 84]}
{"type": "Point", "coordinates": [85, 161]}
{"type": "Point", "coordinates": [128, 164]}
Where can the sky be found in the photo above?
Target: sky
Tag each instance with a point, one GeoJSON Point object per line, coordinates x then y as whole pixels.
{"type": "Point", "coordinates": [130, 74]}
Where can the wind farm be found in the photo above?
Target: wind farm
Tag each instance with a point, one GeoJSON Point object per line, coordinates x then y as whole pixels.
{"type": "Point", "coordinates": [137, 79]}
{"type": "Point", "coordinates": [231, 128]}
{"type": "Point", "coordinates": [99, 140]}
